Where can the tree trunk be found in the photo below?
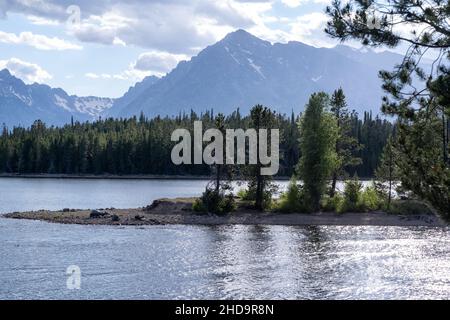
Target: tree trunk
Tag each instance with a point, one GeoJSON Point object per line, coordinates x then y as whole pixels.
{"type": "Point", "coordinates": [259, 193]}
{"type": "Point", "coordinates": [390, 177]}
{"type": "Point", "coordinates": [444, 138]}
{"type": "Point", "coordinates": [333, 185]}
{"type": "Point", "coordinates": [217, 178]}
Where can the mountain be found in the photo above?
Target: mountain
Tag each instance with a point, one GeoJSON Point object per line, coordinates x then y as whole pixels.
{"type": "Point", "coordinates": [242, 70]}
{"type": "Point", "coordinates": [239, 71]}
{"type": "Point", "coordinates": [22, 104]}
{"type": "Point", "coordinates": [138, 89]}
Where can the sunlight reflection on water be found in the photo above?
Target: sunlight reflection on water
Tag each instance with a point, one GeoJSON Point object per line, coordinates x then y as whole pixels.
{"type": "Point", "coordinates": [220, 262]}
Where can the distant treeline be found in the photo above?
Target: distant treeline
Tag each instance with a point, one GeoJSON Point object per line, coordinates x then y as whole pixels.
{"type": "Point", "coordinates": [142, 146]}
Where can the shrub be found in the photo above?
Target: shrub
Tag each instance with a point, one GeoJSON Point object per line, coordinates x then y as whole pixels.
{"type": "Point", "coordinates": [269, 189]}
{"type": "Point", "coordinates": [333, 204]}
{"type": "Point", "coordinates": [352, 195]}
{"type": "Point", "coordinates": [410, 207]}
{"type": "Point", "coordinates": [245, 195]}
{"type": "Point", "coordinates": [292, 200]}
{"type": "Point", "coordinates": [214, 202]}
{"type": "Point", "coordinates": [198, 206]}
{"type": "Point", "coordinates": [228, 204]}
{"type": "Point", "coordinates": [370, 200]}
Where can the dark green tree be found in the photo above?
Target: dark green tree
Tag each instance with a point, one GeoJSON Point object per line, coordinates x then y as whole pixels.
{"type": "Point", "coordinates": [387, 172]}
{"type": "Point", "coordinates": [261, 186]}
{"type": "Point", "coordinates": [318, 136]}
{"type": "Point", "coordinates": [418, 96]}
{"type": "Point", "coordinates": [346, 144]}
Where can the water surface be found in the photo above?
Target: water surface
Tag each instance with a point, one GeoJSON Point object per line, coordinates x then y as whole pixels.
{"type": "Point", "coordinates": [224, 262]}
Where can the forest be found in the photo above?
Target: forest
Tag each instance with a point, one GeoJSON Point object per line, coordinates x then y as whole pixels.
{"type": "Point", "coordinates": [140, 145]}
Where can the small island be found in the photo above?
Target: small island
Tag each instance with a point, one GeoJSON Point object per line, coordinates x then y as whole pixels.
{"type": "Point", "coordinates": [180, 211]}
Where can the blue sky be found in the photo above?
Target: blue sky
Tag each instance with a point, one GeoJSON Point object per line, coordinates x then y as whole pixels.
{"type": "Point", "coordinates": [103, 47]}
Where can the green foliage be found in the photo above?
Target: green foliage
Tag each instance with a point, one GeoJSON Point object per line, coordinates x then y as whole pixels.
{"type": "Point", "coordinates": [419, 98]}
{"type": "Point", "coordinates": [421, 164]}
{"type": "Point", "coordinates": [293, 200]}
{"type": "Point", "coordinates": [332, 204]}
{"type": "Point", "coordinates": [387, 172]}
{"type": "Point", "coordinates": [214, 202]}
{"type": "Point", "coordinates": [410, 207]}
{"type": "Point", "coordinates": [198, 206]}
{"type": "Point", "coordinates": [143, 146]}
{"type": "Point", "coordinates": [354, 199]}
{"type": "Point", "coordinates": [359, 199]}
{"type": "Point", "coordinates": [223, 174]}
{"type": "Point", "coordinates": [318, 135]}
{"type": "Point", "coordinates": [346, 144]}
{"type": "Point", "coordinates": [261, 186]}
{"type": "Point", "coordinates": [370, 200]}
{"type": "Point", "coordinates": [267, 195]}
{"type": "Point", "coordinates": [352, 196]}
{"type": "Point", "coordinates": [243, 194]}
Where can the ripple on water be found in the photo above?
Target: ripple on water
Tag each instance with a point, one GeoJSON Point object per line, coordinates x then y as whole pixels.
{"type": "Point", "coordinates": [169, 262]}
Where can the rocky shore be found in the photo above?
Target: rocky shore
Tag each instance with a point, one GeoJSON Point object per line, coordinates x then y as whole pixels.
{"type": "Point", "coordinates": [179, 211]}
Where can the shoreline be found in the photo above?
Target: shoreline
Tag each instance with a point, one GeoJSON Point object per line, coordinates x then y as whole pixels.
{"type": "Point", "coordinates": [122, 177]}
{"type": "Point", "coordinates": [178, 211]}
{"type": "Point", "coordinates": [105, 176]}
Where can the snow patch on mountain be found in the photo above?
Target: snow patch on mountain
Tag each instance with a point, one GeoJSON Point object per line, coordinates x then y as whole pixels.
{"type": "Point", "coordinates": [256, 68]}
{"type": "Point", "coordinates": [28, 101]}
{"type": "Point", "coordinates": [93, 105]}
{"type": "Point", "coordinates": [61, 102]}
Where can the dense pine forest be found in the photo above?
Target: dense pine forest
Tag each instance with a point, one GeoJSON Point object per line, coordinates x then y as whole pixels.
{"type": "Point", "coordinates": [142, 146]}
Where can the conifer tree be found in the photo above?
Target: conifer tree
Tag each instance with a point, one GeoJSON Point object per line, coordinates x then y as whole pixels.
{"type": "Point", "coordinates": [346, 145]}
{"type": "Point", "coordinates": [318, 136]}
{"type": "Point", "coordinates": [387, 173]}
{"type": "Point", "coordinates": [261, 186]}
{"type": "Point", "coordinates": [417, 96]}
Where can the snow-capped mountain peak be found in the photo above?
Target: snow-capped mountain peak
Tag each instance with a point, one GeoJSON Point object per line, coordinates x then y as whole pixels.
{"type": "Point", "coordinates": [22, 104]}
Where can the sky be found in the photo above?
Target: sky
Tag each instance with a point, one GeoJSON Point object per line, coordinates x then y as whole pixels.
{"type": "Point", "coordinates": [103, 47]}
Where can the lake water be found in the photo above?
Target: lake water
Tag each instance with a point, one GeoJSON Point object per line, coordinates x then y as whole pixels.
{"type": "Point", "coordinates": [224, 262]}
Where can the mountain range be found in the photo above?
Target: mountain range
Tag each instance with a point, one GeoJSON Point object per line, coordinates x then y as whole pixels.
{"type": "Point", "coordinates": [239, 71]}
{"type": "Point", "coordinates": [22, 104]}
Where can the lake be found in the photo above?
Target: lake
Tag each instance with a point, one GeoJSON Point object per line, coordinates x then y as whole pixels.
{"type": "Point", "coordinates": [203, 262]}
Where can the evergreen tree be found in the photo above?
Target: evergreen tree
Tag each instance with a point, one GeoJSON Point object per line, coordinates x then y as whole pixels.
{"type": "Point", "coordinates": [387, 172]}
{"type": "Point", "coordinates": [131, 146]}
{"type": "Point", "coordinates": [421, 164]}
{"type": "Point", "coordinates": [346, 145]}
{"type": "Point", "coordinates": [261, 186]}
{"type": "Point", "coordinates": [318, 136]}
{"type": "Point", "coordinates": [223, 172]}
{"type": "Point", "coordinates": [418, 97]}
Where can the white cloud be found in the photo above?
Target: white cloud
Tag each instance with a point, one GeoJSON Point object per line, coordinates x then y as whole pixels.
{"type": "Point", "coordinates": [28, 72]}
{"type": "Point", "coordinates": [155, 63]}
{"type": "Point", "coordinates": [92, 75]}
{"type": "Point", "coordinates": [39, 21]}
{"type": "Point", "coordinates": [129, 74]}
{"type": "Point", "coordinates": [292, 3]}
{"type": "Point", "coordinates": [297, 3]}
{"type": "Point", "coordinates": [38, 41]}
{"type": "Point", "coordinates": [309, 28]}
{"type": "Point", "coordinates": [176, 26]}
{"type": "Point", "coordinates": [158, 62]}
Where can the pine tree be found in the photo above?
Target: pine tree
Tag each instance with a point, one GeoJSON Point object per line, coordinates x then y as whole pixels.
{"type": "Point", "coordinates": [387, 173]}
{"type": "Point", "coordinates": [223, 172]}
{"type": "Point", "coordinates": [260, 185]}
{"type": "Point", "coordinates": [318, 136]}
{"type": "Point", "coordinates": [346, 145]}
{"type": "Point", "coordinates": [419, 97]}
